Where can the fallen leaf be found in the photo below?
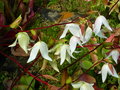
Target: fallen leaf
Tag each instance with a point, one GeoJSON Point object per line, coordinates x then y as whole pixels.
{"type": "Point", "coordinates": [50, 77]}
{"type": "Point", "coordinates": [19, 52]}
{"type": "Point", "coordinates": [87, 78]}
{"type": "Point", "coordinates": [51, 87]}
{"type": "Point", "coordinates": [44, 65]}
{"type": "Point", "coordinates": [64, 78]}
{"type": "Point", "coordinates": [65, 16]}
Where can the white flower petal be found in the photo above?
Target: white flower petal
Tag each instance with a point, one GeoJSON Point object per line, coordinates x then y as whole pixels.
{"type": "Point", "coordinates": [100, 34]}
{"type": "Point", "coordinates": [75, 30]}
{"type": "Point", "coordinates": [14, 44]}
{"type": "Point", "coordinates": [73, 43]}
{"type": "Point", "coordinates": [63, 54]}
{"type": "Point", "coordinates": [77, 51]}
{"type": "Point", "coordinates": [77, 85]}
{"type": "Point", "coordinates": [115, 55]}
{"type": "Point", "coordinates": [68, 58]}
{"type": "Point", "coordinates": [69, 52]}
{"type": "Point", "coordinates": [64, 32]}
{"type": "Point", "coordinates": [105, 22]}
{"type": "Point", "coordinates": [97, 25]}
{"type": "Point", "coordinates": [104, 71]}
{"type": "Point", "coordinates": [23, 40]}
{"type": "Point", "coordinates": [44, 51]}
{"type": "Point", "coordinates": [34, 52]}
{"type": "Point", "coordinates": [57, 51]}
{"type": "Point", "coordinates": [88, 34]}
{"type": "Point", "coordinates": [115, 73]}
{"type": "Point", "coordinates": [86, 86]}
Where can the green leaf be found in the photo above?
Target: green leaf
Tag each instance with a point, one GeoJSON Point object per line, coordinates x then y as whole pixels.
{"type": "Point", "coordinates": [69, 80]}
{"type": "Point", "coordinates": [86, 64]}
{"type": "Point", "coordinates": [16, 23]}
{"type": "Point", "coordinates": [107, 44]}
{"type": "Point", "coordinates": [33, 32]}
{"type": "Point", "coordinates": [21, 87]}
{"type": "Point", "coordinates": [52, 2]}
{"type": "Point", "coordinates": [26, 80]}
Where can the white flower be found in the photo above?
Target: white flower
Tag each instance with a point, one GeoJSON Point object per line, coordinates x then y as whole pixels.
{"type": "Point", "coordinates": [87, 35]}
{"type": "Point", "coordinates": [64, 51]}
{"type": "Point", "coordinates": [42, 46]}
{"type": "Point", "coordinates": [115, 55]}
{"type": "Point", "coordinates": [108, 69]}
{"type": "Point", "coordinates": [83, 85]}
{"type": "Point", "coordinates": [98, 23]}
{"type": "Point", "coordinates": [23, 40]}
{"type": "Point", "coordinates": [74, 40]}
{"type": "Point", "coordinates": [73, 43]}
{"type": "Point", "coordinates": [74, 29]}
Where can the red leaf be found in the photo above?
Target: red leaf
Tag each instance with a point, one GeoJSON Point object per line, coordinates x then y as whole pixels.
{"type": "Point", "coordinates": [18, 52]}
{"type": "Point", "coordinates": [110, 38]}
{"type": "Point", "coordinates": [87, 78]}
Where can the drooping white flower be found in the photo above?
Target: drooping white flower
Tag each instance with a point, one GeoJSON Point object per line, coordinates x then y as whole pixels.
{"type": "Point", "coordinates": [108, 69]}
{"type": "Point", "coordinates": [64, 52]}
{"type": "Point", "coordinates": [87, 35]}
{"type": "Point", "coordinates": [115, 55]}
{"type": "Point", "coordinates": [73, 43]}
{"type": "Point", "coordinates": [74, 40]}
{"type": "Point", "coordinates": [42, 47]}
{"type": "Point", "coordinates": [101, 20]}
{"type": "Point", "coordinates": [74, 29]}
{"type": "Point", "coordinates": [23, 40]}
{"type": "Point", "coordinates": [83, 85]}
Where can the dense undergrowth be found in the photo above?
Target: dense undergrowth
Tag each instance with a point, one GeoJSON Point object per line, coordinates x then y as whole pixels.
{"type": "Point", "coordinates": [43, 23]}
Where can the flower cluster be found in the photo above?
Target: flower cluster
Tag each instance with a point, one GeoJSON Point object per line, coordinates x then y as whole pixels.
{"type": "Point", "coordinates": [65, 51]}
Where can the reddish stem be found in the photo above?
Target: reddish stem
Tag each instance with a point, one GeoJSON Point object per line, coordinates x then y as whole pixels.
{"type": "Point", "coordinates": [25, 70]}
{"type": "Point", "coordinates": [44, 27]}
{"type": "Point", "coordinates": [4, 25]}
{"type": "Point", "coordinates": [91, 45]}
